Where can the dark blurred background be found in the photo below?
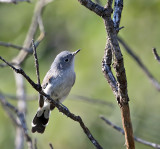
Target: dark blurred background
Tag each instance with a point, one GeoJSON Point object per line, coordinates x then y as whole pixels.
{"type": "Point", "coordinates": [70, 26]}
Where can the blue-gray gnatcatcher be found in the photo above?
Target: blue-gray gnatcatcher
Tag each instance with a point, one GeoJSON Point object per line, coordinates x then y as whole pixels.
{"type": "Point", "coordinates": [57, 83]}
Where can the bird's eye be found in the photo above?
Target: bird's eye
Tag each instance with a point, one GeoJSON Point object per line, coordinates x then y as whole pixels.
{"type": "Point", "coordinates": [66, 60]}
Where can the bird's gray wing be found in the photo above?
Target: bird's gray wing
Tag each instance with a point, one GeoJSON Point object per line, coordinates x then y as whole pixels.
{"type": "Point", "coordinates": [47, 79]}
{"type": "Point", "coordinates": [44, 84]}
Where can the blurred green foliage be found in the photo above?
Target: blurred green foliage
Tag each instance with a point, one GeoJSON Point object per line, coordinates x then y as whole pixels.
{"type": "Point", "coordinates": [70, 26]}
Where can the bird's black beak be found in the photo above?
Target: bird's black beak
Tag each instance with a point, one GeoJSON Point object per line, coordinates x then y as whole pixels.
{"type": "Point", "coordinates": [74, 53]}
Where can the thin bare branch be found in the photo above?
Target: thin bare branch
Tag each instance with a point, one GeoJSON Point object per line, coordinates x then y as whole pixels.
{"type": "Point", "coordinates": [75, 97]}
{"type": "Point", "coordinates": [155, 83]}
{"type": "Point", "coordinates": [5, 44]}
{"type": "Point", "coordinates": [35, 144]}
{"type": "Point", "coordinates": [14, 97]}
{"type": "Point", "coordinates": [32, 30]}
{"type": "Point", "coordinates": [106, 69]}
{"type": "Point", "coordinates": [157, 57]}
{"type": "Point", "coordinates": [91, 100]}
{"type": "Point", "coordinates": [21, 107]}
{"type": "Point", "coordinates": [56, 104]}
{"type": "Point", "coordinates": [13, 1]}
{"type": "Point", "coordinates": [96, 8]}
{"type": "Point", "coordinates": [20, 117]}
{"type": "Point", "coordinates": [36, 62]}
{"type": "Point", "coordinates": [10, 114]}
{"type": "Point", "coordinates": [51, 146]}
{"type": "Point", "coordinates": [4, 64]}
{"type": "Point", "coordinates": [151, 144]}
{"type": "Point", "coordinates": [118, 7]}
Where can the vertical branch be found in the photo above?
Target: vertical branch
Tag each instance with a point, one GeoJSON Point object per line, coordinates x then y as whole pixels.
{"type": "Point", "coordinates": [36, 62]}
{"type": "Point", "coordinates": [113, 52]}
{"type": "Point", "coordinates": [21, 95]}
{"type": "Point", "coordinates": [106, 68]}
{"type": "Point", "coordinates": [32, 30]}
{"type": "Point", "coordinates": [118, 6]}
{"type": "Point", "coordinates": [122, 96]}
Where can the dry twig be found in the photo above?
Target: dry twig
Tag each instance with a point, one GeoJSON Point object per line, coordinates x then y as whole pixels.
{"type": "Point", "coordinates": [5, 44]}
{"type": "Point", "coordinates": [157, 57]}
{"type": "Point", "coordinates": [113, 51]}
{"type": "Point", "coordinates": [151, 144]}
{"type": "Point", "coordinates": [92, 100]}
{"type": "Point", "coordinates": [155, 83]}
{"type": "Point", "coordinates": [7, 106]}
{"type": "Point", "coordinates": [51, 146]}
{"type": "Point", "coordinates": [13, 1]}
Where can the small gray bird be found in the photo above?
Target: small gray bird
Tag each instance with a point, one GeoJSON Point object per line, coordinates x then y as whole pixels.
{"type": "Point", "coordinates": [57, 83]}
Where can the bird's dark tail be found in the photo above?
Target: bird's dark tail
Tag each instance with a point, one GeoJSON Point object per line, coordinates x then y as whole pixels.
{"type": "Point", "coordinates": [40, 120]}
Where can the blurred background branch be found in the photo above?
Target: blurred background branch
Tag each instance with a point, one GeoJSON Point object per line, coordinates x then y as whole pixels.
{"type": "Point", "coordinates": [20, 122]}
{"type": "Point", "coordinates": [155, 83]}
{"type": "Point", "coordinates": [151, 144]}
{"type": "Point", "coordinates": [13, 1]}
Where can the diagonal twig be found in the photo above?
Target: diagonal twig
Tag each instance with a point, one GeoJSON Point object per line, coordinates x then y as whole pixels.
{"type": "Point", "coordinates": [92, 100]}
{"type": "Point", "coordinates": [51, 146]}
{"type": "Point", "coordinates": [13, 1]}
{"type": "Point", "coordinates": [155, 83]}
{"type": "Point", "coordinates": [151, 144]}
{"type": "Point", "coordinates": [157, 57]}
{"type": "Point", "coordinates": [5, 44]}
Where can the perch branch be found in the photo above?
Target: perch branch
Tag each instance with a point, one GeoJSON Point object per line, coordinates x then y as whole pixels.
{"type": "Point", "coordinates": [75, 97]}
{"type": "Point", "coordinates": [157, 57]}
{"type": "Point", "coordinates": [155, 83]}
{"type": "Point", "coordinates": [59, 107]}
{"type": "Point", "coordinates": [151, 144]}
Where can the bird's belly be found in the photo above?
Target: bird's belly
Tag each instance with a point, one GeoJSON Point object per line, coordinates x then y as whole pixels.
{"type": "Point", "coordinates": [59, 88]}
